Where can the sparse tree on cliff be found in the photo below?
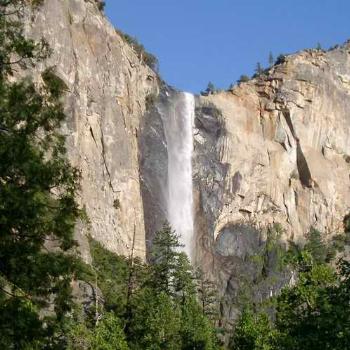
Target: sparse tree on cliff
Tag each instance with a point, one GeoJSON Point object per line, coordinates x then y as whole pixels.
{"type": "Point", "coordinates": [259, 69]}
{"type": "Point", "coordinates": [209, 90]}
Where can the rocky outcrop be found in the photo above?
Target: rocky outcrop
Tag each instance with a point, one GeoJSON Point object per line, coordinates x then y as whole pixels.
{"type": "Point", "coordinates": [106, 99]}
{"type": "Point", "coordinates": [272, 150]}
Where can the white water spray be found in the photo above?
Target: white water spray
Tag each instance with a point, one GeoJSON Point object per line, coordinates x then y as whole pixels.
{"type": "Point", "coordinates": [179, 136]}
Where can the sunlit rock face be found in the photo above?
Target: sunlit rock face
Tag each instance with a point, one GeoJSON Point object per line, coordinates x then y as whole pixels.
{"type": "Point", "coordinates": [272, 150]}
{"type": "Point", "coordinates": [105, 102]}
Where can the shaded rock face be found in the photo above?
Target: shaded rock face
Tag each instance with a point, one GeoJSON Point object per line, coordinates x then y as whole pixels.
{"type": "Point", "coordinates": [153, 161]}
{"type": "Point", "coordinates": [237, 240]}
{"type": "Point", "coordinates": [247, 267]}
{"type": "Point", "coordinates": [154, 157]}
{"type": "Point", "coordinates": [281, 155]}
{"type": "Point", "coordinates": [105, 102]}
{"type": "Point", "coordinates": [88, 295]}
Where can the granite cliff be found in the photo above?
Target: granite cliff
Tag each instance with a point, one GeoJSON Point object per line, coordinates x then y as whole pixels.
{"type": "Point", "coordinates": [274, 150]}
{"type": "Point", "coordinates": [107, 87]}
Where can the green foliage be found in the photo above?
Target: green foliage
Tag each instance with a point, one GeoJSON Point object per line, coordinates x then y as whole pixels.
{"type": "Point", "coordinates": [280, 59]}
{"type": "Point", "coordinates": [116, 203]}
{"type": "Point", "coordinates": [149, 59]}
{"type": "Point", "coordinates": [150, 101]}
{"type": "Point", "coordinates": [38, 188]}
{"type": "Point", "coordinates": [312, 314]}
{"type": "Point", "coordinates": [211, 89]}
{"type": "Point", "coordinates": [267, 267]}
{"type": "Point", "coordinates": [196, 330]}
{"type": "Point", "coordinates": [183, 279]}
{"type": "Point", "coordinates": [316, 250]}
{"type": "Point", "coordinates": [346, 223]}
{"type": "Point", "coordinates": [254, 331]}
{"type": "Point", "coordinates": [112, 273]}
{"type": "Point", "coordinates": [208, 297]}
{"type": "Point", "coordinates": [164, 260]}
{"type": "Point", "coordinates": [155, 323]}
{"type": "Point", "coordinates": [316, 247]}
{"type": "Point", "coordinates": [54, 84]}
{"type": "Point", "coordinates": [101, 5]}
{"type": "Point", "coordinates": [271, 59]}
{"type": "Point", "coordinates": [243, 79]}
{"type": "Point", "coordinates": [259, 69]}
{"type": "Point", "coordinates": [78, 337]}
{"type": "Point", "coordinates": [274, 253]}
{"type": "Point", "coordinates": [106, 335]}
{"type": "Point", "coordinates": [37, 3]}
{"type": "Point", "coordinates": [340, 241]}
{"type": "Point", "coordinates": [15, 49]}
{"type": "Point", "coordinates": [320, 251]}
{"type": "Point", "coordinates": [156, 304]}
{"type": "Point", "coordinates": [299, 309]}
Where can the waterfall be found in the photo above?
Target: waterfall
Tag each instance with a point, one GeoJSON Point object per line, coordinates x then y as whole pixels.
{"type": "Point", "coordinates": [178, 124]}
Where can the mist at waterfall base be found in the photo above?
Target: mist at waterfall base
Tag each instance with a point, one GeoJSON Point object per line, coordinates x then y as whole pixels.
{"type": "Point", "coordinates": [178, 124]}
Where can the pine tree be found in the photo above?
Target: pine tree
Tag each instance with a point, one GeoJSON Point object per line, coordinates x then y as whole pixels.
{"type": "Point", "coordinates": [210, 88]}
{"type": "Point", "coordinates": [164, 260]}
{"type": "Point", "coordinates": [156, 321]}
{"type": "Point", "coordinates": [259, 69]}
{"type": "Point", "coordinates": [197, 332]}
{"type": "Point", "coordinates": [271, 59]}
{"type": "Point", "coordinates": [208, 297]}
{"type": "Point", "coordinates": [37, 191]}
{"type": "Point", "coordinates": [184, 285]}
{"type": "Point", "coordinates": [253, 332]}
{"type": "Point", "coordinates": [108, 334]}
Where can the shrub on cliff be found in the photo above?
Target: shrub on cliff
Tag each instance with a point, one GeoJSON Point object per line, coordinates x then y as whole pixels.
{"type": "Point", "coordinates": [101, 5]}
{"type": "Point", "coordinates": [243, 79]}
{"type": "Point", "coordinates": [280, 59]}
{"type": "Point", "coordinates": [149, 59]}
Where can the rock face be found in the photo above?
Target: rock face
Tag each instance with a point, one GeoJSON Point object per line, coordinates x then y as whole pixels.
{"type": "Point", "coordinates": [274, 150]}
{"type": "Point", "coordinates": [284, 146]}
{"type": "Point", "coordinates": [107, 90]}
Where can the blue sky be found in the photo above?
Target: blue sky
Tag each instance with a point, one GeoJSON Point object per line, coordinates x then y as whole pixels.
{"type": "Point", "coordinates": [197, 41]}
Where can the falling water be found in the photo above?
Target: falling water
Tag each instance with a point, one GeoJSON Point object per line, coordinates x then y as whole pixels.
{"type": "Point", "coordinates": [178, 132]}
